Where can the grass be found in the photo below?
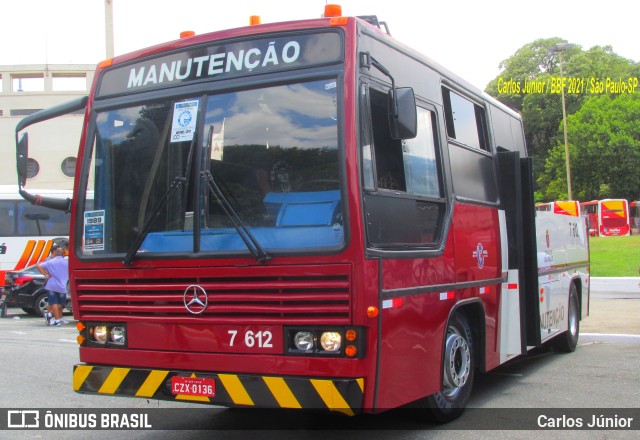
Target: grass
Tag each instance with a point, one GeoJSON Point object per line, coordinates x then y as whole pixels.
{"type": "Point", "coordinates": [615, 256]}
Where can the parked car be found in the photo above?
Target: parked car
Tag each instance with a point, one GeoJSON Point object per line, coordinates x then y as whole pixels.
{"type": "Point", "coordinates": [25, 288]}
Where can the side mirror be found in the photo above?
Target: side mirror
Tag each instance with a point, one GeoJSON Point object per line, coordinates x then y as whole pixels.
{"type": "Point", "coordinates": [22, 154]}
{"type": "Point", "coordinates": [403, 116]}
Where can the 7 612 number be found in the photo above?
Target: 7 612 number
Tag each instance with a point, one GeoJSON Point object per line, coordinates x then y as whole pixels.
{"type": "Point", "coordinates": [259, 339]}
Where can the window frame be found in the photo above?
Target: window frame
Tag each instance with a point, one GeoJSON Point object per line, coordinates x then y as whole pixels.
{"type": "Point", "coordinates": [412, 249]}
{"type": "Point", "coordinates": [197, 91]}
{"type": "Point", "coordinates": [480, 117]}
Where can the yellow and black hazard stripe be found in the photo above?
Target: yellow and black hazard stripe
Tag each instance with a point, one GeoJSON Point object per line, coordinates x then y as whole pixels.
{"type": "Point", "coordinates": [232, 390]}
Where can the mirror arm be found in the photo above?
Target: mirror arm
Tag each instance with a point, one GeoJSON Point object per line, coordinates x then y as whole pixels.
{"type": "Point", "coordinates": [47, 202]}
{"type": "Point", "coordinates": [21, 151]}
{"type": "Point", "coordinates": [367, 61]}
{"type": "Point", "coordinates": [52, 112]}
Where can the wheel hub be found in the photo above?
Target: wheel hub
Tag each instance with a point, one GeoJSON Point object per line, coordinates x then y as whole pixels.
{"type": "Point", "coordinates": [457, 363]}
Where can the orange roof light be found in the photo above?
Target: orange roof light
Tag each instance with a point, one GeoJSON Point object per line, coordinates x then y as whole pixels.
{"type": "Point", "coordinates": [106, 63]}
{"type": "Point", "coordinates": [332, 11]}
{"type": "Point", "coordinates": [339, 21]}
{"type": "Point", "coordinates": [187, 34]}
{"type": "Point", "coordinates": [254, 20]}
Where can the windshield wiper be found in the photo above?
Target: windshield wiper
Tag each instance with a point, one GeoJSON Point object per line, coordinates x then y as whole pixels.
{"type": "Point", "coordinates": [249, 240]}
{"type": "Point", "coordinates": [133, 250]}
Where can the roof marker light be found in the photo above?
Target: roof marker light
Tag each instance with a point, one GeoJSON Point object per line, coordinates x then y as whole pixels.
{"type": "Point", "coordinates": [254, 20]}
{"type": "Point", "coordinates": [339, 21]}
{"type": "Point", "coordinates": [187, 34]}
{"type": "Point", "coordinates": [106, 63]}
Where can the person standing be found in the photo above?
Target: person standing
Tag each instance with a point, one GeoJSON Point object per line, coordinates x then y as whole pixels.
{"type": "Point", "coordinates": [56, 272]}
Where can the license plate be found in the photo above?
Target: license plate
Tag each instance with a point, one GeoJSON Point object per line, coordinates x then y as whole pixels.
{"type": "Point", "coordinates": [193, 386]}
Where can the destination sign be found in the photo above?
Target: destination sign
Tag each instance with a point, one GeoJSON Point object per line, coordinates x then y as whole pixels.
{"type": "Point", "coordinates": [222, 61]}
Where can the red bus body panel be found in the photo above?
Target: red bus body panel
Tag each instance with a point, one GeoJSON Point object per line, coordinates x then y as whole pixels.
{"type": "Point", "coordinates": [413, 331]}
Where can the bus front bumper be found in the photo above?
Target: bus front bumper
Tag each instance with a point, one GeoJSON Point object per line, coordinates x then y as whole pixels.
{"type": "Point", "coordinates": [231, 390]}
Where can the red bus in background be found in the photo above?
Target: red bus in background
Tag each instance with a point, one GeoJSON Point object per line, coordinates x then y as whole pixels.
{"type": "Point", "coordinates": [307, 214]}
{"type": "Point", "coordinates": [634, 216]}
{"type": "Point", "coordinates": [564, 207]}
{"type": "Point", "coordinates": [607, 217]}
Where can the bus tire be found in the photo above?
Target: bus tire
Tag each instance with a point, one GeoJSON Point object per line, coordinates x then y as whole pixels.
{"type": "Point", "coordinates": [458, 366]}
{"type": "Point", "coordinates": [568, 341]}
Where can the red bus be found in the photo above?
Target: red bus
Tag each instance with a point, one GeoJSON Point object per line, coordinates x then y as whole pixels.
{"type": "Point", "coordinates": [564, 207]}
{"type": "Point", "coordinates": [607, 217]}
{"type": "Point", "coordinates": [289, 215]}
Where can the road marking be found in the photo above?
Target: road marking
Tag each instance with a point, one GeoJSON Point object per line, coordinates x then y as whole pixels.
{"type": "Point", "coordinates": [68, 340]}
{"type": "Point", "coordinates": [611, 334]}
{"type": "Point", "coordinates": [508, 374]}
{"type": "Point", "coordinates": [589, 343]}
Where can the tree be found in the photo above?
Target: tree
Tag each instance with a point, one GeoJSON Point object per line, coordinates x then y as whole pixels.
{"type": "Point", "coordinates": [604, 151]}
{"type": "Point", "coordinates": [542, 112]}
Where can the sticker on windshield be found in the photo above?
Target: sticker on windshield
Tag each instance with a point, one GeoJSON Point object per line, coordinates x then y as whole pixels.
{"type": "Point", "coordinates": [93, 230]}
{"type": "Point", "coordinates": [185, 115]}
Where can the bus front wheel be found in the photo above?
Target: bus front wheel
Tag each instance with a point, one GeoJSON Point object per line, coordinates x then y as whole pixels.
{"type": "Point", "coordinates": [457, 371]}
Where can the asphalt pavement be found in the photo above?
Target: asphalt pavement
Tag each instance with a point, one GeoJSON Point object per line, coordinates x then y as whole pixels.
{"type": "Point", "coordinates": [604, 374]}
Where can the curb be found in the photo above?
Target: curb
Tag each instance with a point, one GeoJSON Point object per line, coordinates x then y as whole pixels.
{"type": "Point", "coordinates": [616, 284]}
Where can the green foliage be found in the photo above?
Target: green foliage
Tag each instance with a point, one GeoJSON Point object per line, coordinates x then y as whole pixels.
{"type": "Point", "coordinates": [604, 151]}
{"type": "Point", "coordinates": [599, 138]}
{"type": "Point", "coordinates": [615, 256]}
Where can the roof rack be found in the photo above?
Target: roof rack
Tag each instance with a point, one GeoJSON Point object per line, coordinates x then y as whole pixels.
{"type": "Point", "coordinates": [373, 20]}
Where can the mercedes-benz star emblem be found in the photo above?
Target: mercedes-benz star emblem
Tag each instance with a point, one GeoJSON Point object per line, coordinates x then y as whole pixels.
{"type": "Point", "coordinates": [195, 299]}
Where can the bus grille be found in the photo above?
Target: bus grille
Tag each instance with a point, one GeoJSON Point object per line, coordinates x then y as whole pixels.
{"type": "Point", "coordinates": [289, 295]}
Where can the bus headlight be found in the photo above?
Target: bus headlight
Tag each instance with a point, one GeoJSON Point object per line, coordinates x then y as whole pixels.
{"type": "Point", "coordinates": [117, 335]}
{"type": "Point", "coordinates": [331, 341]}
{"type": "Point", "coordinates": [304, 341]}
{"type": "Point", "coordinates": [348, 342]}
{"type": "Point", "coordinates": [100, 334]}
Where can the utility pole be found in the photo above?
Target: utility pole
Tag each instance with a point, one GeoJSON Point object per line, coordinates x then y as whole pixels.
{"type": "Point", "coordinates": [559, 48]}
{"type": "Point", "coordinates": [108, 27]}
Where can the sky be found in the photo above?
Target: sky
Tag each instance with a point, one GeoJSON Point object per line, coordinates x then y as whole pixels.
{"type": "Point", "coordinates": [470, 38]}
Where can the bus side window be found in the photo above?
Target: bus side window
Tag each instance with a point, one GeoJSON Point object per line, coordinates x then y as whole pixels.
{"type": "Point", "coordinates": [7, 208]}
{"type": "Point", "coordinates": [466, 121]}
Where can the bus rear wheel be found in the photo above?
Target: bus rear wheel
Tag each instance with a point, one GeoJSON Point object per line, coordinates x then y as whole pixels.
{"type": "Point", "coordinates": [458, 366]}
{"type": "Point", "coordinates": [568, 341]}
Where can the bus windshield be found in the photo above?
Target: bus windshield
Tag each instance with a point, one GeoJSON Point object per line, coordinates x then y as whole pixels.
{"type": "Point", "coordinates": [271, 151]}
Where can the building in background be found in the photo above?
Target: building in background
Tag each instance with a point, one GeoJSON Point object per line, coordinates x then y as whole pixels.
{"type": "Point", "coordinates": [26, 89]}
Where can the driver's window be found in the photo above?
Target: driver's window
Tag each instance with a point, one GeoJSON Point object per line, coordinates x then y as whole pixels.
{"type": "Point", "coordinates": [408, 166]}
{"type": "Point", "coordinates": [387, 151]}
{"type": "Point", "coordinates": [420, 159]}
